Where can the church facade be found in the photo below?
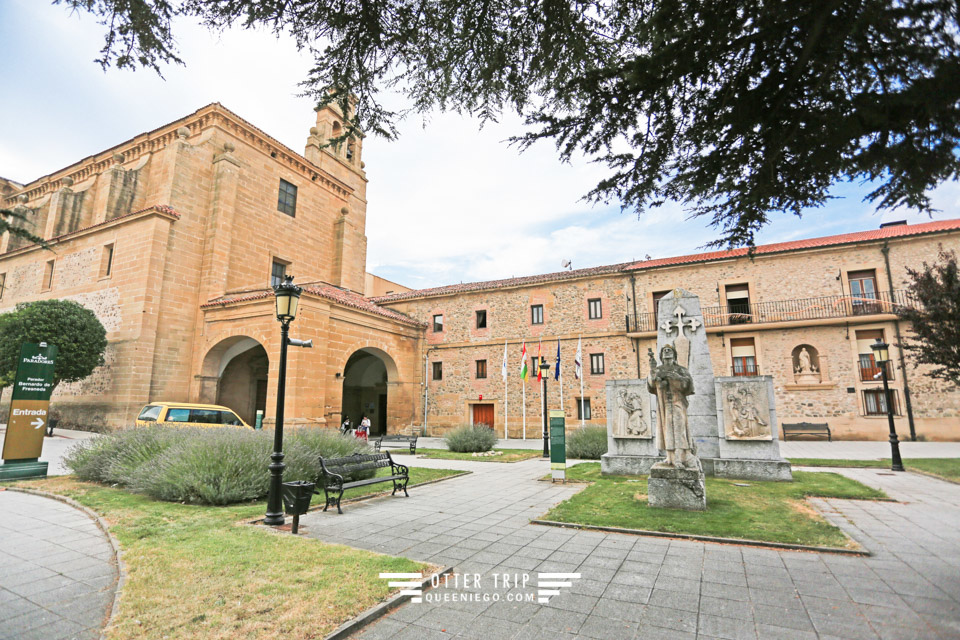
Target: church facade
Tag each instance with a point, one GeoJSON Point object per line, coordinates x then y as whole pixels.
{"type": "Point", "coordinates": [173, 237]}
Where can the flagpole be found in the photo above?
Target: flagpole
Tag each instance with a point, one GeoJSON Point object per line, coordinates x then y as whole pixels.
{"type": "Point", "coordinates": [506, 397]}
{"type": "Point", "coordinates": [524, 387]}
{"type": "Point", "coordinates": [579, 352]}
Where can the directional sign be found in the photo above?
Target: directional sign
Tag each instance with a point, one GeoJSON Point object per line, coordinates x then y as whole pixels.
{"type": "Point", "coordinates": [29, 411]}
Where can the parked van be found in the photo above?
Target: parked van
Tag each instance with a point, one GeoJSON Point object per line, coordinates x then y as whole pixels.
{"type": "Point", "coordinates": [182, 414]}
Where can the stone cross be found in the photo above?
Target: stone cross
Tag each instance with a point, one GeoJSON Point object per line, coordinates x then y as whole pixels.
{"type": "Point", "coordinates": [668, 326]}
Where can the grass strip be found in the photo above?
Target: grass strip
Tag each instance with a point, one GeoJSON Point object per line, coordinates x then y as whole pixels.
{"type": "Point", "coordinates": [506, 455]}
{"type": "Point", "coordinates": [765, 511]}
{"type": "Point", "coordinates": [946, 468]}
{"type": "Point", "coordinates": [194, 572]}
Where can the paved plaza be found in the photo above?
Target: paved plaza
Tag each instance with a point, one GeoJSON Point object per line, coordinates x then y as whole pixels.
{"type": "Point", "coordinates": [58, 571]}
{"type": "Point", "coordinates": [645, 588]}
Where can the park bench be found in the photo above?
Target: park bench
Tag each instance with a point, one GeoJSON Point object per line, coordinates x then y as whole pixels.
{"type": "Point", "coordinates": [396, 441]}
{"type": "Point", "coordinates": [807, 429]}
{"type": "Point", "coordinates": [337, 475]}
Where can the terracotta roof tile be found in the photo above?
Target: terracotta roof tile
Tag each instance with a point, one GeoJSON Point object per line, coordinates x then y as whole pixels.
{"type": "Point", "coordinates": [899, 231]}
{"type": "Point", "coordinates": [326, 291]}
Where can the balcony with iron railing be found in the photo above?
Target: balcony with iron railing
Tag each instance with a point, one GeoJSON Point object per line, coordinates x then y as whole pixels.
{"type": "Point", "coordinates": [798, 309]}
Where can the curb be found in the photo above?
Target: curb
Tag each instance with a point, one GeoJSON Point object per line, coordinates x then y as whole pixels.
{"type": "Point", "coordinates": [686, 536]}
{"type": "Point", "coordinates": [378, 611]}
{"type": "Point", "coordinates": [372, 496]}
{"type": "Point", "coordinates": [121, 567]}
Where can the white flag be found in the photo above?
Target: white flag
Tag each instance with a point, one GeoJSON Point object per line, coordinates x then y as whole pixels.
{"type": "Point", "coordinates": [503, 370]}
{"type": "Point", "coordinates": [578, 360]}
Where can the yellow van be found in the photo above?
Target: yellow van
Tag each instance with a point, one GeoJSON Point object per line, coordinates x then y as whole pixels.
{"type": "Point", "coordinates": [183, 414]}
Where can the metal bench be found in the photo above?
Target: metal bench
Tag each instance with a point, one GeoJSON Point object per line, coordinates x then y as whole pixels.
{"type": "Point", "coordinates": [398, 441]}
{"type": "Point", "coordinates": [336, 475]}
{"type": "Point", "coordinates": [807, 429]}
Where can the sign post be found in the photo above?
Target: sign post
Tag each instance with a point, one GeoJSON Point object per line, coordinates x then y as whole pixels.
{"type": "Point", "coordinates": [558, 446]}
{"type": "Point", "coordinates": [29, 413]}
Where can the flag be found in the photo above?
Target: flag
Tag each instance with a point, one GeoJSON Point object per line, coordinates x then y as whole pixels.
{"type": "Point", "coordinates": [523, 361]}
{"type": "Point", "coordinates": [578, 360]}
{"type": "Point", "coordinates": [539, 360]}
{"type": "Point", "coordinates": [556, 374]}
{"type": "Point", "coordinates": [503, 370]}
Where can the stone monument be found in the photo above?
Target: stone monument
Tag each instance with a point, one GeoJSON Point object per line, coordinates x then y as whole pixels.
{"type": "Point", "coordinates": [731, 420]}
{"type": "Point", "coordinates": [677, 481]}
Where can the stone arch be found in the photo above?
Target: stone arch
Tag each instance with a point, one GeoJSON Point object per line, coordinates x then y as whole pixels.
{"type": "Point", "coordinates": [367, 375]}
{"type": "Point", "coordinates": [234, 374]}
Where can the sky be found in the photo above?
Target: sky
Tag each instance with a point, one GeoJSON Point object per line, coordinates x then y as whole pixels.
{"type": "Point", "coordinates": [448, 201]}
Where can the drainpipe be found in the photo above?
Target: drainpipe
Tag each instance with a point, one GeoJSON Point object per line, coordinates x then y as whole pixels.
{"type": "Point", "coordinates": [426, 388]}
{"type": "Point", "coordinates": [636, 342]}
{"type": "Point", "coordinates": [885, 250]}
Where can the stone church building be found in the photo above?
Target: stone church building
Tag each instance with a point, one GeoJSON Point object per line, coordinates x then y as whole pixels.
{"type": "Point", "coordinates": [173, 237]}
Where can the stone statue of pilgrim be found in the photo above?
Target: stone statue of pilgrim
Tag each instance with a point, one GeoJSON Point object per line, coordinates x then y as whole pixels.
{"type": "Point", "coordinates": [672, 383]}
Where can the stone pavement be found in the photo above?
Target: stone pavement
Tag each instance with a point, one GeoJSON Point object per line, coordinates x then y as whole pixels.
{"type": "Point", "coordinates": [645, 588]}
{"type": "Point", "coordinates": [58, 572]}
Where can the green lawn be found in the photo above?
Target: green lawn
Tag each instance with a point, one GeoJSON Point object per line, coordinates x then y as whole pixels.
{"type": "Point", "coordinates": [767, 511]}
{"type": "Point", "coordinates": [417, 475]}
{"type": "Point", "coordinates": [507, 455]}
{"type": "Point", "coordinates": [947, 468]}
{"type": "Point", "coordinates": [197, 572]}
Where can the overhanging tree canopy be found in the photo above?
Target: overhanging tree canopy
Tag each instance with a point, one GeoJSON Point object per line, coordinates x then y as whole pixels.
{"type": "Point", "coordinates": [738, 109]}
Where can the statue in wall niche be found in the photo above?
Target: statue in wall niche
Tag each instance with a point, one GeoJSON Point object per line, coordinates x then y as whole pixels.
{"type": "Point", "coordinates": [804, 364]}
{"type": "Point", "coordinates": [630, 414]}
{"type": "Point", "coordinates": [672, 383]}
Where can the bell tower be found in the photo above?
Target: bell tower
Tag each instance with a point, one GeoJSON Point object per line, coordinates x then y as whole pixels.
{"type": "Point", "coordinates": [331, 124]}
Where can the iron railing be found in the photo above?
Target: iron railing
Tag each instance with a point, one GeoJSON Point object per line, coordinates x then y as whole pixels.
{"type": "Point", "coordinates": [818, 308]}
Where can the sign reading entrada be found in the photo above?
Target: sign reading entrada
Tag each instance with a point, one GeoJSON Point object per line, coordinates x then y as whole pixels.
{"type": "Point", "coordinates": [29, 409]}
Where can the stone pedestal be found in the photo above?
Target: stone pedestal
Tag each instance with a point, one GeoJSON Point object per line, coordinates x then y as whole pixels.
{"type": "Point", "coordinates": [674, 488]}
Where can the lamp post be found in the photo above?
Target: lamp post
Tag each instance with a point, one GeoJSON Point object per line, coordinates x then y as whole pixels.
{"type": "Point", "coordinates": [544, 370]}
{"type": "Point", "coordinates": [881, 354]}
{"type": "Point", "coordinates": [288, 297]}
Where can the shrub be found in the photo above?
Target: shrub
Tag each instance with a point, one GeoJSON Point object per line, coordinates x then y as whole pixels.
{"type": "Point", "coordinates": [471, 439]}
{"type": "Point", "coordinates": [587, 443]}
{"type": "Point", "coordinates": [207, 466]}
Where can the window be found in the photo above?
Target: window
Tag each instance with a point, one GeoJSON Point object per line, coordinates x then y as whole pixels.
{"type": "Point", "coordinates": [536, 314]}
{"type": "Point", "coordinates": [178, 415]}
{"type": "Point", "coordinates": [594, 309]}
{"type": "Point", "coordinates": [438, 323]}
{"type": "Point", "coordinates": [657, 297]}
{"type": "Point", "coordinates": [3, 284]}
{"type": "Point", "coordinates": [106, 261]}
{"type": "Point", "coordinates": [277, 272]}
{"type": "Point", "coordinates": [583, 408]}
{"type": "Point", "coordinates": [875, 404]}
{"type": "Point", "coordinates": [738, 303]}
{"type": "Point", "coordinates": [596, 363]}
{"type": "Point", "coordinates": [438, 371]}
{"type": "Point", "coordinates": [744, 353]}
{"type": "Point", "coordinates": [863, 290]}
{"type": "Point", "coordinates": [535, 365]}
{"type": "Point", "coordinates": [482, 319]}
{"type": "Point", "coordinates": [481, 368]}
{"type": "Point", "coordinates": [150, 413]}
{"type": "Point", "coordinates": [48, 276]}
{"type": "Point", "coordinates": [869, 371]}
{"type": "Point", "coordinates": [287, 200]}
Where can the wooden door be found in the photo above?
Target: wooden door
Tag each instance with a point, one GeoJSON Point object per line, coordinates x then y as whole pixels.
{"type": "Point", "coordinates": [483, 414]}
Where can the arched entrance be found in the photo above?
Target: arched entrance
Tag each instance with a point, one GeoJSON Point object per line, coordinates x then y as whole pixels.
{"type": "Point", "coordinates": [235, 376]}
{"type": "Point", "coordinates": [365, 379]}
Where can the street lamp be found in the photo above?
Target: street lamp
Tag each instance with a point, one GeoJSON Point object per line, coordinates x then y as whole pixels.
{"type": "Point", "coordinates": [544, 371]}
{"type": "Point", "coordinates": [881, 354]}
{"type": "Point", "coordinates": [288, 297]}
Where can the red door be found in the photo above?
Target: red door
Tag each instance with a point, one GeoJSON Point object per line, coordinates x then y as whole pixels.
{"type": "Point", "coordinates": [483, 414]}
